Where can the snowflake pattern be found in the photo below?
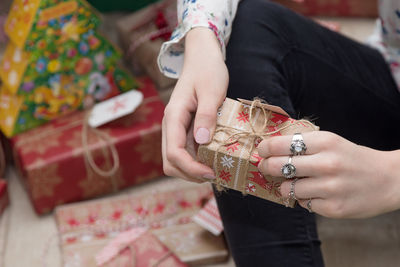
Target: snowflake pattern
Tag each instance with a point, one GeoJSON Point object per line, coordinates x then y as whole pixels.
{"type": "Point", "coordinates": [250, 188]}
{"type": "Point", "coordinates": [243, 117]}
{"type": "Point", "coordinates": [232, 147]}
{"type": "Point", "coordinates": [227, 162]}
{"type": "Point", "coordinates": [226, 176]}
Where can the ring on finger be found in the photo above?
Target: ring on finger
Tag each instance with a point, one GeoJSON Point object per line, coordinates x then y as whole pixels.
{"type": "Point", "coordinates": [298, 147]}
{"type": "Point", "coordinates": [292, 193]}
{"type": "Point", "coordinates": [309, 206]}
{"type": "Point", "coordinates": [288, 170]}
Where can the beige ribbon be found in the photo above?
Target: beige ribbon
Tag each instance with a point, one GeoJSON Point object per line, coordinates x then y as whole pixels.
{"type": "Point", "coordinates": [156, 264]}
{"type": "Point", "coordinates": [254, 133]}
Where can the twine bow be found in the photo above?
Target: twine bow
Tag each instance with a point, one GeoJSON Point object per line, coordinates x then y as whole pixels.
{"type": "Point", "coordinates": [254, 134]}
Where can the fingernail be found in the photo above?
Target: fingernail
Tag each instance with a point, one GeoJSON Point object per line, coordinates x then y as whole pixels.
{"type": "Point", "coordinates": [202, 136]}
{"type": "Point", "coordinates": [209, 176]}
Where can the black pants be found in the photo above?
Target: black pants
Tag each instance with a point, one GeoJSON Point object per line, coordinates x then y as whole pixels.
{"type": "Point", "coordinates": [309, 71]}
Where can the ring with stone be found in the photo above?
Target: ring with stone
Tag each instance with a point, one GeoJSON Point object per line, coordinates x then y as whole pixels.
{"type": "Point", "coordinates": [292, 193]}
{"type": "Point", "coordinates": [288, 170]}
{"type": "Point", "coordinates": [309, 206]}
{"type": "Point", "coordinates": [298, 147]}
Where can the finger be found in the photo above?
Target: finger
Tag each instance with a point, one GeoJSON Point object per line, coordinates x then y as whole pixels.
{"type": "Point", "coordinates": [176, 123]}
{"type": "Point", "coordinates": [316, 205]}
{"type": "Point", "coordinates": [306, 165]}
{"type": "Point", "coordinates": [305, 188]}
{"type": "Point", "coordinates": [328, 208]}
{"type": "Point", "coordinates": [280, 145]}
{"type": "Point", "coordinates": [168, 168]}
{"type": "Point", "coordinates": [206, 118]}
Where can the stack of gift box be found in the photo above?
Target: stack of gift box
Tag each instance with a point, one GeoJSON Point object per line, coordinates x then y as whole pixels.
{"type": "Point", "coordinates": [55, 68]}
{"type": "Point", "coordinates": [80, 126]}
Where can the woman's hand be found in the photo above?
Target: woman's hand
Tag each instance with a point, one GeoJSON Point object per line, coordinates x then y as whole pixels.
{"type": "Point", "coordinates": [344, 180]}
{"type": "Point", "coordinates": [200, 91]}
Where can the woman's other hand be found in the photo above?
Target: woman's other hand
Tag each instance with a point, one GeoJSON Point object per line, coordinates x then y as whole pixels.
{"type": "Point", "coordinates": [344, 180]}
{"type": "Point", "coordinates": [199, 92]}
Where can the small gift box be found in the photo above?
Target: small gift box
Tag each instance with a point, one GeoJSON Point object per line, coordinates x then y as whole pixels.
{"type": "Point", "coordinates": [66, 161]}
{"type": "Point", "coordinates": [142, 34]}
{"type": "Point", "coordinates": [164, 209]}
{"type": "Point", "coordinates": [347, 8]}
{"type": "Point", "coordinates": [232, 153]}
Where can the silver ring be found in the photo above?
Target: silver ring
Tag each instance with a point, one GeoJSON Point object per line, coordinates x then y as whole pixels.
{"type": "Point", "coordinates": [309, 206]}
{"type": "Point", "coordinates": [298, 147]}
{"type": "Point", "coordinates": [292, 193]}
{"type": "Point", "coordinates": [288, 170]}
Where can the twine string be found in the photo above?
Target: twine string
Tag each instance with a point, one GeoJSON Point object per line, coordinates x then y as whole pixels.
{"type": "Point", "coordinates": [88, 155]}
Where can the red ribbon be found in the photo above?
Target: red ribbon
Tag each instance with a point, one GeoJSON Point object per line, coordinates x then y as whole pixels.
{"type": "Point", "coordinates": [161, 24]}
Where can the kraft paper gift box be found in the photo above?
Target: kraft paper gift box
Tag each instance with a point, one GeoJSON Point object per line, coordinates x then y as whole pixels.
{"type": "Point", "coordinates": [142, 34]}
{"type": "Point", "coordinates": [54, 164]}
{"type": "Point", "coordinates": [85, 229]}
{"type": "Point", "coordinates": [56, 62]}
{"type": "Point", "coordinates": [341, 8]}
{"type": "Point", "coordinates": [232, 153]}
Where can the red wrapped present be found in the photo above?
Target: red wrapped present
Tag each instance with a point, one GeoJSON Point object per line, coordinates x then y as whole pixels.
{"type": "Point", "coordinates": [142, 34]}
{"type": "Point", "coordinates": [85, 229]}
{"type": "Point", "coordinates": [4, 200]}
{"type": "Point", "coordinates": [347, 8]}
{"type": "Point", "coordinates": [57, 167]}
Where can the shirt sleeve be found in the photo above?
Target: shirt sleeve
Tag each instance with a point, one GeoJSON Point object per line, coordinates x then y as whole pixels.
{"type": "Point", "coordinates": [216, 15]}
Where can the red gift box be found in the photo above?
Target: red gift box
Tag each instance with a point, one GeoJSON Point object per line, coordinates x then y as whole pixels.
{"type": "Point", "coordinates": [347, 8]}
{"type": "Point", "coordinates": [4, 200]}
{"type": "Point", "coordinates": [55, 165]}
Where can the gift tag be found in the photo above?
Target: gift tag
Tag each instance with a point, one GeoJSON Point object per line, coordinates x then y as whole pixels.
{"type": "Point", "coordinates": [115, 108]}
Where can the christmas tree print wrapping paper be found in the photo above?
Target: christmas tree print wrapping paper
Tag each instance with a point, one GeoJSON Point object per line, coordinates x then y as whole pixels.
{"type": "Point", "coordinates": [86, 228]}
{"type": "Point", "coordinates": [52, 161]}
{"type": "Point", "coordinates": [56, 62]}
{"type": "Point", "coordinates": [232, 152]}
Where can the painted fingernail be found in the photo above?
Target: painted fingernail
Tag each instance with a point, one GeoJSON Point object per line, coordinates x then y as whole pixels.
{"type": "Point", "coordinates": [209, 176]}
{"type": "Point", "coordinates": [202, 136]}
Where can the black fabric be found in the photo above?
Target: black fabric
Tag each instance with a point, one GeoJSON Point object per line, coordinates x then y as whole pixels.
{"type": "Point", "coordinates": [312, 72]}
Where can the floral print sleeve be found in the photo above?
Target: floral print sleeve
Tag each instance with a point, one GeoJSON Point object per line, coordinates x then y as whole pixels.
{"type": "Point", "coordinates": [217, 15]}
{"type": "Point", "coordinates": [386, 37]}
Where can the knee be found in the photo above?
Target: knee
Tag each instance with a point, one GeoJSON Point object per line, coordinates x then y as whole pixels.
{"type": "Point", "coordinates": [264, 11]}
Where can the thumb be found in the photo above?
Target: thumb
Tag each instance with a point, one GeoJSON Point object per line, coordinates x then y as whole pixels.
{"type": "Point", "coordinates": [206, 119]}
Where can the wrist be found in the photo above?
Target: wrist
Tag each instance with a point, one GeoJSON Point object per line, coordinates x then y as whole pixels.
{"type": "Point", "coordinates": [201, 40]}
